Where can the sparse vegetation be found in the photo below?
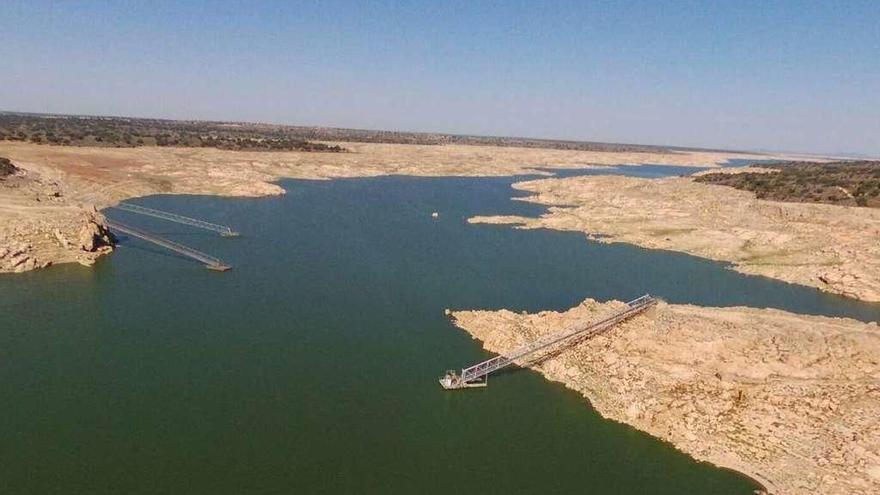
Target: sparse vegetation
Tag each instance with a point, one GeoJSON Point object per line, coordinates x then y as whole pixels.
{"type": "Point", "coordinates": [68, 130]}
{"type": "Point", "coordinates": [129, 133]}
{"type": "Point", "coordinates": [853, 183]}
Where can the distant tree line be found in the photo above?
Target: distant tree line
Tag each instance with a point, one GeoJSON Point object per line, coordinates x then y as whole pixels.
{"type": "Point", "coordinates": [128, 133]}
{"type": "Point", "coordinates": [854, 183]}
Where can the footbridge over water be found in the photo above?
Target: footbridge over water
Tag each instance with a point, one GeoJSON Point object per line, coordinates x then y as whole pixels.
{"type": "Point", "coordinates": [174, 217]}
{"type": "Point", "coordinates": [477, 375]}
{"type": "Point", "coordinates": [209, 261]}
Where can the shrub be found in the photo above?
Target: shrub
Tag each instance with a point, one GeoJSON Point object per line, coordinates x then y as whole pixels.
{"type": "Point", "coordinates": [6, 167]}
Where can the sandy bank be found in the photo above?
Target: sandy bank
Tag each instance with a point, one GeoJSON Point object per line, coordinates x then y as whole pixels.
{"type": "Point", "coordinates": [833, 248]}
{"type": "Point", "coordinates": [790, 400]}
{"type": "Point", "coordinates": [63, 182]}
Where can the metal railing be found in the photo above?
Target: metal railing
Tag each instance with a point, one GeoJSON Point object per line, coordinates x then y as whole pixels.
{"type": "Point", "coordinates": [564, 338]}
{"type": "Point", "coordinates": [174, 217]}
{"type": "Point", "coordinates": [209, 261]}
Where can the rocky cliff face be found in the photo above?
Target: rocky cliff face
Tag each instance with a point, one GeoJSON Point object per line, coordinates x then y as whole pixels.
{"type": "Point", "coordinates": [78, 236]}
{"type": "Point", "coordinates": [41, 224]}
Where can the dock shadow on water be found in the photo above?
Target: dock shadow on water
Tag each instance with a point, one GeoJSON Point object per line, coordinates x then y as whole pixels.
{"type": "Point", "coordinates": [312, 367]}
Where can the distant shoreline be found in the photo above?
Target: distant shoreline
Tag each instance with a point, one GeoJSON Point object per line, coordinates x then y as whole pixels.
{"type": "Point", "coordinates": [58, 185]}
{"type": "Point", "coordinates": [343, 134]}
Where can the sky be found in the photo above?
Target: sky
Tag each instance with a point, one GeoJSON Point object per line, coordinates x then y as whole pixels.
{"type": "Point", "coordinates": [758, 75]}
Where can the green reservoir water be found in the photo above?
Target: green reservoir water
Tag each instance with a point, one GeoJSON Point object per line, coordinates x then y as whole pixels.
{"type": "Point", "coordinates": [311, 367]}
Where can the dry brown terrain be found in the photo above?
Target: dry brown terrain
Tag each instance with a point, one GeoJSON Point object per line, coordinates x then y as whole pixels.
{"type": "Point", "coordinates": [833, 248]}
{"type": "Point", "coordinates": [791, 400]}
{"type": "Point", "coordinates": [59, 186]}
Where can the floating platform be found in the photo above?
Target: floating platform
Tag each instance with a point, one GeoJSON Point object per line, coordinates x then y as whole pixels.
{"type": "Point", "coordinates": [452, 381]}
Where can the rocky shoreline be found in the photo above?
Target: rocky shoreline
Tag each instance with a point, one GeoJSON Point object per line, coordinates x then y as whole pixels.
{"type": "Point", "coordinates": [46, 190]}
{"type": "Point", "coordinates": [42, 226]}
{"type": "Point", "coordinates": [835, 249]}
{"type": "Point", "coordinates": [83, 242]}
{"type": "Point", "coordinates": [789, 400]}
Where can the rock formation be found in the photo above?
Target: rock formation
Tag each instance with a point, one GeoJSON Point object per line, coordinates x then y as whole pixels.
{"type": "Point", "coordinates": [16, 257]}
{"type": "Point", "coordinates": [88, 228]}
{"type": "Point", "coordinates": [93, 234]}
{"type": "Point", "coordinates": [6, 168]}
{"type": "Point", "coordinates": [94, 238]}
{"type": "Point", "coordinates": [791, 400]}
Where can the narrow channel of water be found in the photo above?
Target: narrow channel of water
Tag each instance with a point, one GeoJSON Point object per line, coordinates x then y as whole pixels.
{"type": "Point", "coordinates": [311, 367]}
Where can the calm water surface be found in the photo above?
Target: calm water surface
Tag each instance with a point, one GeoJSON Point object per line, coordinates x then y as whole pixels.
{"type": "Point", "coordinates": [311, 367]}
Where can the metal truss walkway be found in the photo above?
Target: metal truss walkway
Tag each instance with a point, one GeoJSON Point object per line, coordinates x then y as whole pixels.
{"type": "Point", "coordinates": [476, 375]}
{"type": "Point", "coordinates": [173, 217]}
{"type": "Point", "coordinates": [209, 261]}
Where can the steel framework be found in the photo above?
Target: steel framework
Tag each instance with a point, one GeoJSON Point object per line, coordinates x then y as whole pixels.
{"type": "Point", "coordinates": [471, 376]}
{"type": "Point", "coordinates": [209, 261]}
{"type": "Point", "coordinates": [173, 217]}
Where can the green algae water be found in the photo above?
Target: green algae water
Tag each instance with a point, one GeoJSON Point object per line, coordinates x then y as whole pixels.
{"type": "Point", "coordinates": [312, 366]}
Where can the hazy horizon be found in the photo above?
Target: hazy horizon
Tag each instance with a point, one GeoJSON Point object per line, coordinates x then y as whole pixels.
{"type": "Point", "coordinates": [293, 124]}
{"type": "Point", "coordinates": [792, 76]}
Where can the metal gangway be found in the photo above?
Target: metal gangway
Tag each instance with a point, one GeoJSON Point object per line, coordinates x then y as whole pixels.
{"type": "Point", "coordinates": [174, 217]}
{"type": "Point", "coordinates": [209, 261]}
{"type": "Point", "coordinates": [477, 375]}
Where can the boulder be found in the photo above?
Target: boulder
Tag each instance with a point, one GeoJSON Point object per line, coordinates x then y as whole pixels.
{"type": "Point", "coordinates": [94, 234]}
{"type": "Point", "coordinates": [6, 167]}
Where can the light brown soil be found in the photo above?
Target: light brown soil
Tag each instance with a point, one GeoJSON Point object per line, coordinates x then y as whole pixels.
{"type": "Point", "coordinates": [833, 248]}
{"type": "Point", "coordinates": [60, 183]}
{"type": "Point", "coordinates": [791, 400]}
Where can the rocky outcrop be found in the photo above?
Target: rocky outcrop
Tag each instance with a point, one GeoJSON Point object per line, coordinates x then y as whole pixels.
{"type": "Point", "coordinates": [6, 168]}
{"type": "Point", "coordinates": [791, 400]}
{"type": "Point", "coordinates": [79, 236]}
{"type": "Point", "coordinates": [94, 238]}
{"type": "Point", "coordinates": [94, 234]}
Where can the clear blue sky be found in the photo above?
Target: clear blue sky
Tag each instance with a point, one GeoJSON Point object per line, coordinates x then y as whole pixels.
{"type": "Point", "coordinates": [796, 75]}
